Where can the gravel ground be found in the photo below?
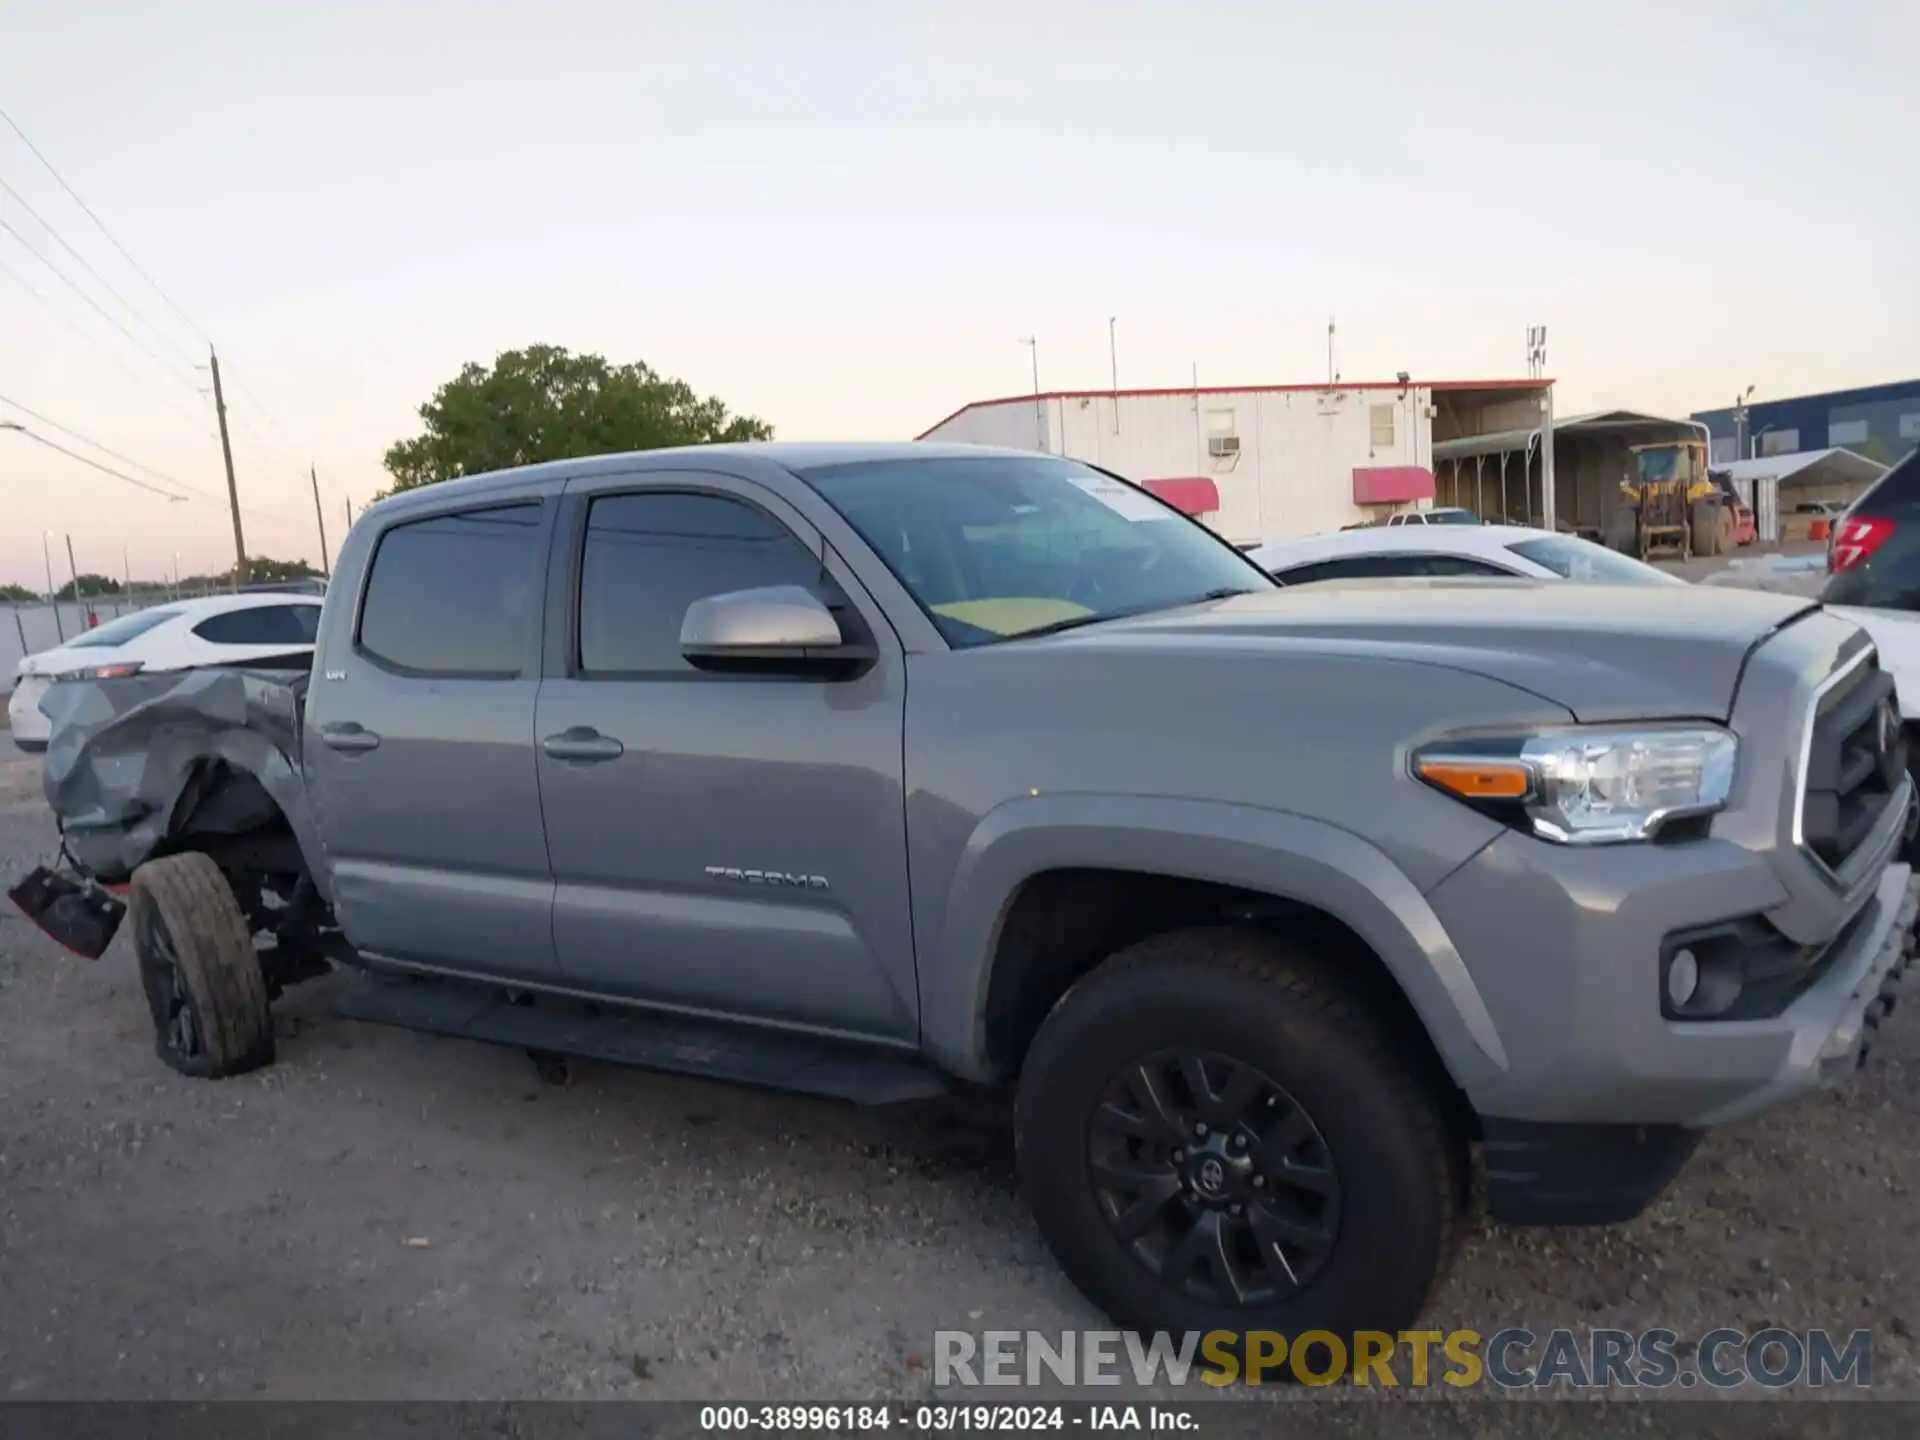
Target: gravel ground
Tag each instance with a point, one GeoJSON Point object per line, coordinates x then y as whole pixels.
{"type": "Point", "coordinates": [385, 1215]}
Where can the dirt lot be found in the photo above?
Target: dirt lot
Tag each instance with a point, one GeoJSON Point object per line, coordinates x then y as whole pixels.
{"type": "Point", "coordinates": [388, 1215]}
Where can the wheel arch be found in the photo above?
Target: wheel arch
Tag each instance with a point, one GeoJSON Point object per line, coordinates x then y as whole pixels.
{"type": "Point", "coordinates": [1101, 861]}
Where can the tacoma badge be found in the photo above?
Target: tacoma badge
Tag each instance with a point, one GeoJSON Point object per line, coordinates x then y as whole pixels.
{"type": "Point", "coordinates": [784, 878]}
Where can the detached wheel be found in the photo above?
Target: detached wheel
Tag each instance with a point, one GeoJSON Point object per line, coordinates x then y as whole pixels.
{"type": "Point", "coordinates": [202, 978]}
{"type": "Point", "coordinates": [1214, 1135]}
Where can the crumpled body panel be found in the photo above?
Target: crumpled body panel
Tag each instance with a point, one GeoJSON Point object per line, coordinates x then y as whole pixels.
{"type": "Point", "coordinates": [124, 754]}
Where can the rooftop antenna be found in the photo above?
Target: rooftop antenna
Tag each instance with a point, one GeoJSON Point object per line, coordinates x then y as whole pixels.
{"type": "Point", "coordinates": [1333, 375]}
{"type": "Point", "coordinates": [1536, 351]}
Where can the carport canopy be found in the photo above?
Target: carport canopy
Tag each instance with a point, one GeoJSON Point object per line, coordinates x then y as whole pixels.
{"type": "Point", "coordinates": [1590, 458]}
{"type": "Point", "coordinates": [1838, 466]}
{"type": "Point", "coordinates": [1643, 429]}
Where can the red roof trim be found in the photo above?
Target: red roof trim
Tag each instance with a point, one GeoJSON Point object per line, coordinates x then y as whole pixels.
{"type": "Point", "coordinates": [1045, 395]}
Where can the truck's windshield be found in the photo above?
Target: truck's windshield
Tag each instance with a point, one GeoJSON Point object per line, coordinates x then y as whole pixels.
{"type": "Point", "coordinates": [1002, 546]}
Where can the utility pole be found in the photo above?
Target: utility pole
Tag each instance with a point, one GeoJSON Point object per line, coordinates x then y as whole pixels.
{"type": "Point", "coordinates": [126, 573]}
{"type": "Point", "coordinates": [53, 596]}
{"type": "Point", "coordinates": [233, 489]}
{"type": "Point", "coordinates": [1113, 359]}
{"type": "Point", "coordinates": [314, 472]}
{"type": "Point", "coordinates": [349, 514]}
{"type": "Point", "coordinates": [1039, 414]}
{"type": "Point", "coordinates": [73, 570]}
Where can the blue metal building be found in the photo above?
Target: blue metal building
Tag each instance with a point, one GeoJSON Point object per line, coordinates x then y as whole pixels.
{"type": "Point", "coordinates": [1881, 422]}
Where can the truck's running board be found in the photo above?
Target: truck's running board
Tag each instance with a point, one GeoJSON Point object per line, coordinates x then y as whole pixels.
{"type": "Point", "coordinates": [647, 1041]}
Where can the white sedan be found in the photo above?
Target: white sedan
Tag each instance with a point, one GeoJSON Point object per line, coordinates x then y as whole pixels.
{"type": "Point", "coordinates": [219, 630]}
{"type": "Point", "coordinates": [1514, 551]}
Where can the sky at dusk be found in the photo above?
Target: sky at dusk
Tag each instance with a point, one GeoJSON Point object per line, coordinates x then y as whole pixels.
{"type": "Point", "coordinates": [843, 217]}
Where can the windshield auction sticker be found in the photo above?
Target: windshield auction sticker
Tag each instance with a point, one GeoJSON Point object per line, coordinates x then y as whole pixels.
{"type": "Point", "coordinates": [1125, 501]}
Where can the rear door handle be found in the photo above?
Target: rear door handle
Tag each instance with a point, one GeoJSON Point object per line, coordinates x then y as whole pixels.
{"type": "Point", "coordinates": [583, 745]}
{"type": "Point", "coordinates": [349, 737]}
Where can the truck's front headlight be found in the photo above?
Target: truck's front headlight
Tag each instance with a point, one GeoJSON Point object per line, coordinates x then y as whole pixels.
{"type": "Point", "coordinates": [1588, 785]}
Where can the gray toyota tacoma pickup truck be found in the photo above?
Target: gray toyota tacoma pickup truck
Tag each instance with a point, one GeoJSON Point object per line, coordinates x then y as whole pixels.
{"type": "Point", "coordinates": [868, 770]}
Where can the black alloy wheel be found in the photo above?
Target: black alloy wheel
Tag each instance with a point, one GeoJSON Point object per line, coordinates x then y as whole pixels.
{"type": "Point", "coordinates": [176, 1019]}
{"type": "Point", "coordinates": [1214, 1178]}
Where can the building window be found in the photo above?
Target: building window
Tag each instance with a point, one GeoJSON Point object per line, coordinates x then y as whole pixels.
{"type": "Point", "coordinates": [1380, 427]}
{"type": "Point", "coordinates": [1780, 442]}
{"type": "Point", "coordinates": [1222, 442]}
{"type": "Point", "coordinates": [1910, 425]}
{"type": "Point", "coordinates": [1847, 432]}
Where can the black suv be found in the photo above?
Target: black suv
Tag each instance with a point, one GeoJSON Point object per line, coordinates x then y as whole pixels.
{"type": "Point", "coordinates": [1873, 552]}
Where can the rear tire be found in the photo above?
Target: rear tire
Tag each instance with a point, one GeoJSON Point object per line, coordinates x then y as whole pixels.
{"type": "Point", "coordinates": [1704, 525]}
{"type": "Point", "coordinates": [1123, 1124]}
{"type": "Point", "coordinates": [204, 986]}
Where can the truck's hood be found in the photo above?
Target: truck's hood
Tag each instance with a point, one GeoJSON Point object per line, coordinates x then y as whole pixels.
{"type": "Point", "coordinates": [1606, 652]}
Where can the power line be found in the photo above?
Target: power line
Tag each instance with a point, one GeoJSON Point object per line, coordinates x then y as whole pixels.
{"type": "Point", "coordinates": [87, 265]}
{"type": "Point", "coordinates": [70, 432]}
{"type": "Point", "coordinates": [239, 383]}
{"type": "Point", "coordinates": [199, 421]}
{"type": "Point", "coordinates": [124, 253]}
{"type": "Point", "coordinates": [101, 226]}
{"type": "Point", "coordinates": [99, 309]}
{"type": "Point", "coordinates": [103, 469]}
{"type": "Point", "coordinates": [193, 491]}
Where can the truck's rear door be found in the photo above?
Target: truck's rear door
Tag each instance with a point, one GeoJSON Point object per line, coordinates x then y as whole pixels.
{"type": "Point", "coordinates": [419, 741]}
{"type": "Point", "coordinates": [727, 843]}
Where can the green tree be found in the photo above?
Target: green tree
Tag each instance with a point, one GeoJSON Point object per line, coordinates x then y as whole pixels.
{"type": "Point", "coordinates": [92, 587]}
{"type": "Point", "coordinates": [18, 594]}
{"type": "Point", "coordinates": [546, 403]}
{"type": "Point", "coordinates": [262, 570]}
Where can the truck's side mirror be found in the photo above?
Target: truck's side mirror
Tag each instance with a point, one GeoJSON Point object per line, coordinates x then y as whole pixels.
{"type": "Point", "coordinates": [777, 629]}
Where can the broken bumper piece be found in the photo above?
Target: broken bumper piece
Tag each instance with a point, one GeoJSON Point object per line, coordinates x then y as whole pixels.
{"type": "Point", "coordinates": [78, 916]}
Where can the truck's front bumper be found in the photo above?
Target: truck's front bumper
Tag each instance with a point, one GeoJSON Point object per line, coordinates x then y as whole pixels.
{"type": "Point", "coordinates": [1579, 1010]}
{"type": "Point", "coordinates": [1574, 1173]}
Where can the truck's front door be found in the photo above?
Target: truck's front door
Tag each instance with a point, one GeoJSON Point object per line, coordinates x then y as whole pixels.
{"type": "Point", "coordinates": [419, 743]}
{"type": "Point", "coordinates": [725, 843]}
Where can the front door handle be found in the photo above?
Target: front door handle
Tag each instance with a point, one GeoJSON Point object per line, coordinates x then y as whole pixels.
{"type": "Point", "coordinates": [349, 737]}
{"type": "Point", "coordinates": [583, 745]}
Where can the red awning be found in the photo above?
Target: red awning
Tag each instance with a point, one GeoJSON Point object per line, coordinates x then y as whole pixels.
{"type": "Point", "coordinates": [1391, 484]}
{"type": "Point", "coordinates": [1189, 494]}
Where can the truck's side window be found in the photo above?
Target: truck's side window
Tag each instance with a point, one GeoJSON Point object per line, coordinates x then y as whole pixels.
{"type": "Point", "coordinates": [454, 595]}
{"type": "Point", "coordinates": [649, 556]}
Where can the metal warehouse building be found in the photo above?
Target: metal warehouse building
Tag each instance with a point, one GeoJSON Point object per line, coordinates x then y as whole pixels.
{"type": "Point", "coordinates": [1262, 462]}
{"type": "Point", "coordinates": [1880, 422]}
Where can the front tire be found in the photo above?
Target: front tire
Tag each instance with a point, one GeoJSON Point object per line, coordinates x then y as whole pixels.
{"type": "Point", "coordinates": [1317, 1185]}
{"type": "Point", "coordinates": [203, 982]}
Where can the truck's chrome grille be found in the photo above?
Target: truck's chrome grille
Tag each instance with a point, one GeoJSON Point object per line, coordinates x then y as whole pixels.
{"type": "Point", "coordinates": [1852, 761]}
